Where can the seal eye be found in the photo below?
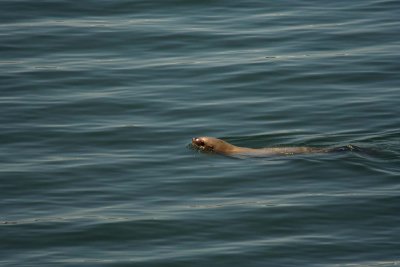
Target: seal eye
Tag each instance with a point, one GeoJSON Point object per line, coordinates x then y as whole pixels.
{"type": "Point", "coordinates": [201, 143]}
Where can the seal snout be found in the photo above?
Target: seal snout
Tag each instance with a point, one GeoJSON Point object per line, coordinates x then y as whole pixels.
{"type": "Point", "coordinates": [198, 141]}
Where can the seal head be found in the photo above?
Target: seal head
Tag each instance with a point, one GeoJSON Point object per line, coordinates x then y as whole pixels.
{"type": "Point", "coordinates": [211, 144]}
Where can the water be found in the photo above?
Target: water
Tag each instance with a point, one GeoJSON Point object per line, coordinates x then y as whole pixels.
{"type": "Point", "coordinates": [100, 99]}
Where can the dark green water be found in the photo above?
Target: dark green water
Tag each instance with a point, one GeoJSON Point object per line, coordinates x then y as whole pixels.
{"type": "Point", "coordinates": [100, 99]}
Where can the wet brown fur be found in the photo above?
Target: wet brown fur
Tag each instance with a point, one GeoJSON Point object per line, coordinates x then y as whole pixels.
{"type": "Point", "coordinates": [216, 145]}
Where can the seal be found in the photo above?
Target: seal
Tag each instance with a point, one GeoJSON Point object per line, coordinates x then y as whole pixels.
{"type": "Point", "coordinates": [211, 144]}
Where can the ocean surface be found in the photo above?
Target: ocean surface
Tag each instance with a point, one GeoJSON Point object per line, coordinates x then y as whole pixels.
{"type": "Point", "coordinates": [100, 99]}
